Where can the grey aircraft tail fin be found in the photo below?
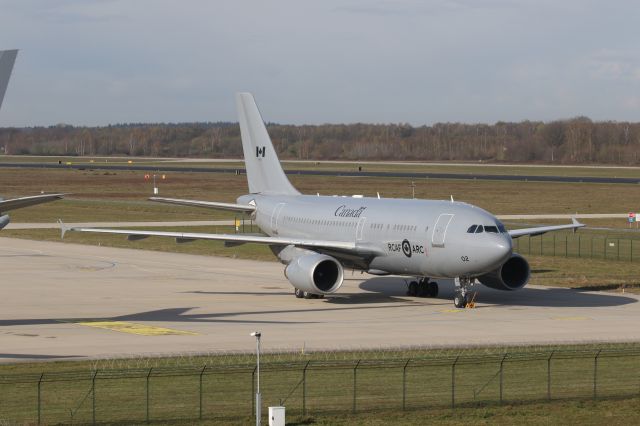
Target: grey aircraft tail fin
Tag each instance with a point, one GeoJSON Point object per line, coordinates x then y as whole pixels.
{"type": "Point", "coordinates": [264, 172]}
{"type": "Point", "coordinates": [7, 59]}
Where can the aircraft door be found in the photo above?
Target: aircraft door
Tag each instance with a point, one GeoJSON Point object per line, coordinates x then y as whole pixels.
{"type": "Point", "coordinates": [274, 218]}
{"type": "Point", "coordinates": [360, 228]}
{"type": "Point", "coordinates": [440, 230]}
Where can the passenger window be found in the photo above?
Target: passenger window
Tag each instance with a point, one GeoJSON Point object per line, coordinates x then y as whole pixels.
{"type": "Point", "coordinates": [472, 229]}
{"type": "Point", "coordinates": [492, 229]}
{"type": "Point", "coordinates": [479, 229]}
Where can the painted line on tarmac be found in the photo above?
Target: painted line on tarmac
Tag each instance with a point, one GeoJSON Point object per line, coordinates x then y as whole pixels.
{"type": "Point", "coordinates": [138, 329]}
{"type": "Point", "coordinates": [571, 318]}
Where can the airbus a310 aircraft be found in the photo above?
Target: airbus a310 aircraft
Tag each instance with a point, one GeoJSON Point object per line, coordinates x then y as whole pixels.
{"type": "Point", "coordinates": [317, 237]}
{"type": "Point", "coordinates": [7, 59]}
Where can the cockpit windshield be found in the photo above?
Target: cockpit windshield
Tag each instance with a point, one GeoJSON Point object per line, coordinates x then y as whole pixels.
{"type": "Point", "coordinates": [498, 228]}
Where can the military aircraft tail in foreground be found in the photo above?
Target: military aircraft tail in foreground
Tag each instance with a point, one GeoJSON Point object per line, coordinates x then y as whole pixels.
{"type": "Point", "coordinates": [7, 59]}
{"type": "Point", "coordinates": [317, 237]}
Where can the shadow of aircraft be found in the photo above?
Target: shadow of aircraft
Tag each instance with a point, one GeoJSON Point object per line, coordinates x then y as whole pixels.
{"type": "Point", "coordinates": [393, 287]}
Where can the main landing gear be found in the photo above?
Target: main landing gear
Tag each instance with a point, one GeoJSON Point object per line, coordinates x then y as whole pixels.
{"type": "Point", "coordinates": [422, 288]}
{"type": "Point", "coordinates": [462, 296]}
{"type": "Point", "coordinates": [300, 294]}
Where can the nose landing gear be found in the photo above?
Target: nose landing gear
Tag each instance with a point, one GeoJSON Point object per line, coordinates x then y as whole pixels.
{"type": "Point", "coordinates": [462, 297]}
{"type": "Point", "coordinates": [422, 288]}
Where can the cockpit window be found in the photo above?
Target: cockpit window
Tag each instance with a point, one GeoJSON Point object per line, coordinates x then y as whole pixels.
{"type": "Point", "coordinates": [472, 229]}
{"type": "Point", "coordinates": [492, 229]}
{"type": "Point", "coordinates": [501, 227]}
{"type": "Point", "coordinates": [479, 229]}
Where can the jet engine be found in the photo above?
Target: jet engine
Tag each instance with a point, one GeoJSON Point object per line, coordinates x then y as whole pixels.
{"type": "Point", "coordinates": [315, 273]}
{"type": "Point", "coordinates": [512, 275]}
{"type": "Point", "coordinates": [4, 220]}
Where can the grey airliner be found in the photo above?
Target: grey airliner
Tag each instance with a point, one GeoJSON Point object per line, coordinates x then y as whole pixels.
{"type": "Point", "coordinates": [317, 237]}
{"type": "Point", "coordinates": [7, 59]}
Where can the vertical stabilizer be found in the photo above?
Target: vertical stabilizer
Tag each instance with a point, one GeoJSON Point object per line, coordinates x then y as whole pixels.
{"type": "Point", "coordinates": [7, 59]}
{"type": "Point", "coordinates": [264, 172]}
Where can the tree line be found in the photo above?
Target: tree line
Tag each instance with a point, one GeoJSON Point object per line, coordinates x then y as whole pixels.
{"type": "Point", "coordinates": [575, 141]}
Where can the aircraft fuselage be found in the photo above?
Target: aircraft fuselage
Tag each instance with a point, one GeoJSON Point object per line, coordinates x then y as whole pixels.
{"type": "Point", "coordinates": [418, 237]}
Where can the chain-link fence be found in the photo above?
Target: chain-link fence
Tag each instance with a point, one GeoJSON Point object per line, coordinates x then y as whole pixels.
{"type": "Point", "coordinates": [315, 387]}
{"type": "Point", "coordinates": [579, 245]}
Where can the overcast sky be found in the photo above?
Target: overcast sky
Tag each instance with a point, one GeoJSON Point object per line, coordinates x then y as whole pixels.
{"type": "Point", "coordinates": [96, 62]}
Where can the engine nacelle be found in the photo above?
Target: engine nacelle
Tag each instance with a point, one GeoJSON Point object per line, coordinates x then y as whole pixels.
{"type": "Point", "coordinates": [512, 275]}
{"type": "Point", "coordinates": [315, 273]}
{"type": "Point", "coordinates": [4, 220]}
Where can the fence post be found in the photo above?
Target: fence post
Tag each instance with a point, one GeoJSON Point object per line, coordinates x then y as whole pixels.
{"type": "Point", "coordinates": [579, 246]}
{"type": "Point", "coordinates": [200, 394]}
{"type": "Point", "coordinates": [355, 369]}
{"type": "Point", "coordinates": [541, 238]}
{"type": "Point", "coordinates": [304, 389]}
{"type": "Point", "coordinates": [404, 384]}
{"type": "Point", "coordinates": [453, 382]}
{"type": "Point", "coordinates": [253, 390]}
{"type": "Point", "coordinates": [501, 374]}
{"type": "Point", "coordinates": [595, 374]}
{"type": "Point", "coordinates": [549, 376]}
{"type": "Point", "coordinates": [40, 397]}
{"type": "Point", "coordinates": [93, 396]}
{"type": "Point", "coordinates": [147, 392]}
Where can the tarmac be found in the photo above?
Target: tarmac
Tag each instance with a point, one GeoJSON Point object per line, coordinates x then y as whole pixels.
{"type": "Point", "coordinates": [68, 301]}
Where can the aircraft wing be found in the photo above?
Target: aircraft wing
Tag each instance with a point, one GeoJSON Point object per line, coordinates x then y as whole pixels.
{"type": "Point", "coordinates": [542, 229]}
{"type": "Point", "coordinates": [17, 203]}
{"type": "Point", "coordinates": [245, 208]}
{"type": "Point", "coordinates": [236, 239]}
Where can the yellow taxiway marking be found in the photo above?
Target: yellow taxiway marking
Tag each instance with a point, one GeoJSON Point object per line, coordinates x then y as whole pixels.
{"type": "Point", "coordinates": [139, 329]}
{"type": "Point", "coordinates": [571, 318]}
{"type": "Point", "coordinates": [452, 311]}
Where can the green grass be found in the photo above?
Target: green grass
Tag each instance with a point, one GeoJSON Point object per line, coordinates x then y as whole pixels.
{"type": "Point", "coordinates": [384, 381]}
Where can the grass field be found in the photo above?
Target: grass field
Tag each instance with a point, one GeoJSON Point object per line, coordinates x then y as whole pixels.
{"type": "Point", "coordinates": [317, 387]}
{"type": "Point", "coordinates": [130, 187]}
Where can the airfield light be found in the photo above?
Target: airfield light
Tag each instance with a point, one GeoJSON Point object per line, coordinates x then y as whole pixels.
{"type": "Point", "coordinates": [257, 335]}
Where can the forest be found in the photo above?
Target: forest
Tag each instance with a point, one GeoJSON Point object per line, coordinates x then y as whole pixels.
{"type": "Point", "coordinates": [574, 141]}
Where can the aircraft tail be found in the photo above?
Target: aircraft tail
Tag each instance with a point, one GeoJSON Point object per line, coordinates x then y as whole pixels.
{"type": "Point", "coordinates": [264, 172]}
{"type": "Point", "coordinates": [7, 59]}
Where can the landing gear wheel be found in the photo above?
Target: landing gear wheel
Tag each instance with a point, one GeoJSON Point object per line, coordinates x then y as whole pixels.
{"type": "Point", "coordinates": [413, 289]}
{"type": "Point", "coordinates": [307, 295]}
{"type": "Point", "coordinates": [432, 289]}
{"type": "Point", "coordinates": [459, 300]}
{"type": "Point", "coordinates": [298, 293]}
{"type": "Point", "coordinates": [423, 289]}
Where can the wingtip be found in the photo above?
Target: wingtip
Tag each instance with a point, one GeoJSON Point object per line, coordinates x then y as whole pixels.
{"type": "Point", "coordinates": [63, 229]}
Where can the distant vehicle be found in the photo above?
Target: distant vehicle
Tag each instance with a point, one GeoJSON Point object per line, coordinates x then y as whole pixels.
{"type": "Point", "coordinates": [316, 237]}
{"type": "Point", "coordinates": [7, 59]}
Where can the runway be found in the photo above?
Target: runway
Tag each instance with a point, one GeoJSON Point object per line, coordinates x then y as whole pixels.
{"type": "Point", "coordinates": [67, 301]}
{"type": "Point", "coordinates": [407, 175]}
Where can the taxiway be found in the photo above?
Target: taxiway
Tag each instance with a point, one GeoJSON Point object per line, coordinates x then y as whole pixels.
{"type": "Point", "coordinates": [68, 301]}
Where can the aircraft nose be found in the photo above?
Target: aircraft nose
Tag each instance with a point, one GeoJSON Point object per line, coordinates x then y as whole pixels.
{"type": "Point", "coordinates": [502, 248]}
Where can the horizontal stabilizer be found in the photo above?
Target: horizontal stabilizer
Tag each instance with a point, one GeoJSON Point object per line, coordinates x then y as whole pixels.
{"type": "Point", "coordinates": [245, 208]}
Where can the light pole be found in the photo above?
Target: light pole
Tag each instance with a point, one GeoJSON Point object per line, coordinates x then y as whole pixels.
{"type": "Point", "coordinates": [257, 335]}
